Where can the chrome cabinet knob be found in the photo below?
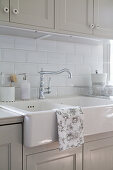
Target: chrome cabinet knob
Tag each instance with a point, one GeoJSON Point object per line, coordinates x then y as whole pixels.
{"type": "Point", "coordinates": [92, 26]}
{"type": "Point", "coordinates": [6, 9]}
{"type": "Point", "coordinates": [15, 11]}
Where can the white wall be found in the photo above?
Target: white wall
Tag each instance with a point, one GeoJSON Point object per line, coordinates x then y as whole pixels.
{"type": "Point", "coordinates": [23, 55]}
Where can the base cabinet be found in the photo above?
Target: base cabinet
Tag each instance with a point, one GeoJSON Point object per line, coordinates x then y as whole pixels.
{"type": "Point", "coordinates": [55, 160]}
{"type": "Point", "coordinates": [98, 155]}
{"type": "Point", "coordinates": [11, 147]}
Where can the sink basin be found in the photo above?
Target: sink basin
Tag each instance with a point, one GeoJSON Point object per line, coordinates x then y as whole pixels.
{"type": "Point", "coordinates": [83, 101]}
{"type": "Point", "coordinates": [29, 107]}
{"type": "Point", "coordinates": [40, 126]}
{"type": "Point", "coordinates": [98, 113]}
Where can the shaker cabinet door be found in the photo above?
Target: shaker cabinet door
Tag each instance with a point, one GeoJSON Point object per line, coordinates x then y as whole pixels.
{"type": "Point", "coordinates": [4, 10]}
{"type": "Point", "coordinates": [55, 160]}
{"type": "Point", "coordinates": [11, 147]}
{"type": "Point", "coordinates": [98, 155]}
{"type": "Point", "coordinates": [74, 15]}
{"type": "Point", "coordinates": [103, 18]}
{"type": "Point", "coordinates": [33, 12]}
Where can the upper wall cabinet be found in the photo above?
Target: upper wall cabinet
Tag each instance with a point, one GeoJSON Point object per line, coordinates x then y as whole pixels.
{"type": "Point", "coordinates": [91, 17]}
{"type": "Point", "coordinates": [74, 15]}
{"type": "Point", "coordinates": [33, 12]}
{"type": "Point", "coordinates": [103, 18]}
{"type": "Point", "coordinates": [4, 10]}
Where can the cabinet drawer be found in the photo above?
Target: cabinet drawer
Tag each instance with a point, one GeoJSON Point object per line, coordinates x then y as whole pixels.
{"type": "Point", "coordinates": [56, 160]}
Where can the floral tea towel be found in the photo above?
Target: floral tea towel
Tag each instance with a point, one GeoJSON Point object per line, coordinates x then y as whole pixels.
{"type": "Point", "coordinates": [70, 127]}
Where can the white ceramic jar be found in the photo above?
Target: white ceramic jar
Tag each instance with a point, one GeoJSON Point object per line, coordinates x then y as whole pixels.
{"type": "Point", "coordinates": [7, 94]}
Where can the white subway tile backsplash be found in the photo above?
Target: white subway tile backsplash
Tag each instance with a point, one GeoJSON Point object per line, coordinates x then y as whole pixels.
{"type": "Point", "coordinates": [65, 47]}
{"type": "Point", "coordinates": [79, 81]}
{"type": "Point", "coordinates": [37, 57]}
{"type": "Point", "coordinates": [56, 58]}
{"type": "Point", "coordinates": [58, 81]}
{"type": "Point", "coordinates": [66, 91]}
{"type": "Point", "coordinates": [34, 80]}
{"type": "Point", "coordinates": [82, 69]}
{"type": "Point", "coordinates": [12, 55]}
{"type": "Point", "coordinates": [7, 68]}
{"type": "Point", "coordinates": [25, 55]}
{"type": "Point", "coordinates": [6, 41]}
{"type": "Point", "coordinates": [25, 68]}
{"type": "Point", "coordinates": [25, 43]}
{"type": "Point", "coordinates": [72, 58]}
{"type": "Point", "coordinates": [83, 50]}
{"type": "Point", "coordinates": [45, 45]}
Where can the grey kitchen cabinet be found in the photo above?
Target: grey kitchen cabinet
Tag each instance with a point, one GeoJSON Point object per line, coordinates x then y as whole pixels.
{"type": "Point", "coordinates": [98, 155]}
{"type": "Point", "coordinates": [55, 160]}
{"type": "Point", "coordinates": [11, 147]}
{"type": "Point", "coordinates": [77, 17]}
{"type": "Point", "coordinates": [4, 10]}
{"type": "Point", "coordinates": [74, 16]}
{"type": "Point", "coordinates": [103, 18]}
{"type": "Point", "coordinates": [39, 13]}
{"type": "Point", "coordinates": [85, 16]}
{"type": "Point", "coordinates": [36, 12]}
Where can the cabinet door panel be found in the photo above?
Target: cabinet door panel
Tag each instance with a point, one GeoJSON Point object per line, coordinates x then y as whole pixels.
{"type": "Point", "coordinates": [55, 160]}
{"type": "Point", "coordinates": [74, 15]}
{"type": "Point", "coordinates": [4, 5]}
{"type": "Point", "coordinates": [98, 155]}
{"type": "Point", "coordinates": [103, 17]}
{"type": "Point", "coordinates": [36, 12]}
{"type": "Point", "coordinates": [11, 147]}
{"type": "Point", "coordinates": [4, 149]}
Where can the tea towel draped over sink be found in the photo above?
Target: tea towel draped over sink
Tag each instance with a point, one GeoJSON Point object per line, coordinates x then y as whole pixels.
{"type": "Point", "coordinates": [70, 127]}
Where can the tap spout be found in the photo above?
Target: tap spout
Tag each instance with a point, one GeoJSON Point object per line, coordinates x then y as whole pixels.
{"type": "Point", "coordinates": [57, 72]}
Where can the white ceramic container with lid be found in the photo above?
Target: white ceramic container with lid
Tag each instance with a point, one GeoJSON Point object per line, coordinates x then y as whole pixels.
{"type": "Point", "coordinates": [7, 94]}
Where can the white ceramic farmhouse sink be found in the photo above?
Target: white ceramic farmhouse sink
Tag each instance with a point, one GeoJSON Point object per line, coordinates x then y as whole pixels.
{"type": "Point", "coordinates": [29, 107]}
{"type": "Point", "coordinates": [98, 113]}
{"type": "Point", "coordinates": [40, 125]}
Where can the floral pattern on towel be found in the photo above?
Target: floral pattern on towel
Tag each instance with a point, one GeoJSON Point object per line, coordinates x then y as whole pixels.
{"type": "Point", "coordinates": [70, 127]}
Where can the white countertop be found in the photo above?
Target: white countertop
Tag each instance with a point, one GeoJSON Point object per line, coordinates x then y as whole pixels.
{"type": "Point", "coordinates": [8, 117]}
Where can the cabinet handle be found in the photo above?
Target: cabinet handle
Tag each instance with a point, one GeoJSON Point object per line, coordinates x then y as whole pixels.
{"type": "Point", "coordinates": [15, 11]}
{"type": "Point", "coordinates": [92, 26]}
{"type": "Point", "coordinates": [6, 10]}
